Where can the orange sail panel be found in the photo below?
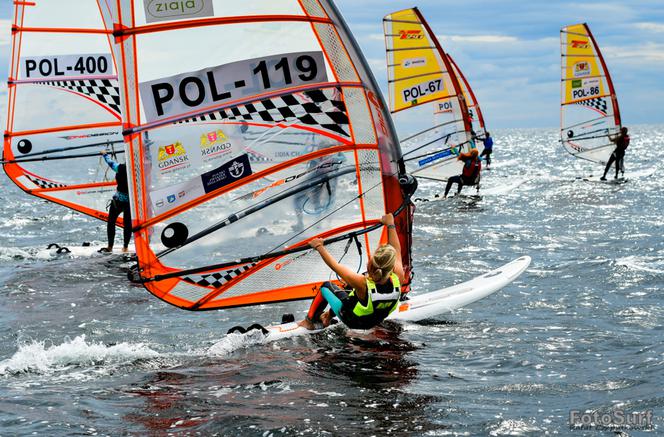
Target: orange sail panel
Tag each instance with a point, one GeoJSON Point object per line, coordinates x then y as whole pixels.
{"type": "Point", "coordinates": [419, 72]}
{"type": "Point", "coordinates": [64, 105]}
{"type": "Point", "coordinates": [252, 127]}
{"type": "Point", "coordinates": [589, 112]}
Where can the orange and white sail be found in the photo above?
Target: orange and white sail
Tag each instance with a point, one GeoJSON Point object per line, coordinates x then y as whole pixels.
{"type": "Point", "coordinates": [419, 72]}
{"type": "Point", "coordinates": [64, 104]}
{"type": "Point", "coordinates": [589, 112]}
{"type": "Point", "coordinates": [251, 128]}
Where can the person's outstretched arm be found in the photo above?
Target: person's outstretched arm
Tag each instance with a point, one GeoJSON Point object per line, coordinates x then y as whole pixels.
{"type": "Point", "coordinates": [354, 280]}
{"type": "Point", "coordinates": [393, 240]}
{"type": "Point", "coordinates": [111, 163]}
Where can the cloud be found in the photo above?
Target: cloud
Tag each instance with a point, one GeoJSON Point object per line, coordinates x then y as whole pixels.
{"type": "Point", "coordinates": [652, 27]}
{"type": "Point", "coordinates": [648, 52]}
{"type": "Point", "coordinates": [479, 39]}
{"type": "Point", "coordinates": [5, 32]}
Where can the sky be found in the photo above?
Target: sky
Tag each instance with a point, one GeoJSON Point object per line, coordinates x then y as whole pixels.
{"type": "Point", "coordinates": [509, 50]}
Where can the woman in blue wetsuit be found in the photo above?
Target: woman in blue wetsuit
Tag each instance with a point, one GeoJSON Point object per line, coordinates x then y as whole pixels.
{"type": "Point", "coordinates": [488, 148]}
{"type": "Point", "coordinates": [119, 205]}
{"type": "Point", "coordinates": [371, 297]}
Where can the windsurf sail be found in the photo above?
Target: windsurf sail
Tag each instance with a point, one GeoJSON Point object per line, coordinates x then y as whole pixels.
{"type": "Point", "coordinates": [419, 72]}
{"type": "Point", "coordinates": [589, 113]}
{"type": "Point", "coordinates": [251, 128]}
{"type": "Point", "coordinates": [64, 105]}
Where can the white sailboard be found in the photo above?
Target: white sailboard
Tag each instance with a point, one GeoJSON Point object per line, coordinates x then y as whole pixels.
{"type": "Point", "coordinates": [418, 307]}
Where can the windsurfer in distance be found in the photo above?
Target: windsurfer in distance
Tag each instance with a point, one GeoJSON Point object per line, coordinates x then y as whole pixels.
{"type": "Point", "coordinates": [488, 148]}
{"type": "Point", "coordinates": [371, 297]}
{"type": "Point", "coordinates": [621, 140]}
{"type": "Point", "coordinates": [119, 205]}
{"type": "Point", "coordinates": [470, 175]}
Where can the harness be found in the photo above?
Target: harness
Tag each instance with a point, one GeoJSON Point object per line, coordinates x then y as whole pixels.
{"type": "Point", "coordinates": [381, 301]}
{"type": "Point", "coordinates": [622, 144]}
{"type": "Point", "coordinates": [471, 172]}
{"type": "Point", "coordinates": [121, 179]}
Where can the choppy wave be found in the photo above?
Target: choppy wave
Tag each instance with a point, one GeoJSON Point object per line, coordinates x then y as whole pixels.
{"type": "Point", "coordinates": [43, 357]}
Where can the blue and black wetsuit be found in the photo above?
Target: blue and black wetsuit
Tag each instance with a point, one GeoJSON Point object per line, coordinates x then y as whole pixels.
{"type": "Point", "coordinates": [119, 203]}
{"type": "Point", "coordinates": [488, 149]}
{"type": "Point", "coordinates": [381, 300]}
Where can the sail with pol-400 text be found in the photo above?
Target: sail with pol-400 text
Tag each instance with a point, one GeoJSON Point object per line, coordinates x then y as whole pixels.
{"type": "Point", "coordinates": [252, 127]}
{"type": "Point", "coordinates": [419, 72]}
{"type": "Point", "coordinates": [589, 113]}
{"type": "Point", "coordinates": [64, 105]}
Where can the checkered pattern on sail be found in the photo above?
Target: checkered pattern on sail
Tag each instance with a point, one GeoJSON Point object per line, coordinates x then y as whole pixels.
{"type": "Point", "coordinates": [598, 103]}
{"type": "Point", "coordinates": [103, 90]}
{"type": "Point", "coordinates": [43, 183]}
{"type": "Point", "coordinates": [320, 108]}
{"type": "Point", "coordinates": [255, 157]}
{"type": "Point", "coordinates": [217, 279]}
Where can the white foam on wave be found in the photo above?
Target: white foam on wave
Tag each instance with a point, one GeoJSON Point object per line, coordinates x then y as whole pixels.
{"type": "Point", "coordinates": [642, 173]}
{"type": "Point", "coordinates": [504, 188]}
{"type": "Point", "coordinates": [235, 341]}
{"type": "Point", "coordinates": [42, 358]}
{"type": "Point", "coordinates": [642, 263]}
{"type": "Point", "coordinates": [514, 427]}
{"type": "Point", "coordinates": [13, 253]}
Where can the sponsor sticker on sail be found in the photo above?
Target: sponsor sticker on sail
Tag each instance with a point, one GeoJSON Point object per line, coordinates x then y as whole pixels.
{"type": "Point", "coordinates": [411, 34]}
{"type": "Point", "coordinates": [166, 10]}
{"type": "Point", "coordinates": [579, 44]}
{"type": "Point", "coordinates": [215, 145]}
{"type": "Point", "coordinates": [172, 157]}
{"type": "Point", "coordinates": [414, 62]}
{"type": "Point", "coordinates": [227, 173]}
{"type": "Point", "coordinates": [170, 197]}
{"type": "Point", "coordinates": [581, 69]}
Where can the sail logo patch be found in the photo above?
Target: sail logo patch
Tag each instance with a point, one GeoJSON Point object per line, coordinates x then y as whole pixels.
{"type": "Point", "coordinates": [215, 145]}
{"type": "Point", "coordinates": [577, 44]}
{"type": "Point", "coordinates": [171, 157]}
{"type": "Point", "coordinates": [236, 169]}
{"type": "Point", "coordinates": [410, 34]}
{"type": "Point", "coordinates": [227, 173]}
{"type": "Point", "coordinates": [414, 62]}
{"type": "Point", "coordinates": [165, 10]}
{"type": "Point", "coordinates": [581, 69]}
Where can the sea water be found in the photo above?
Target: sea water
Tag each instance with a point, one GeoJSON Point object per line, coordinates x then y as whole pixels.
{"type": "Point", "coordinates": [84, 352]}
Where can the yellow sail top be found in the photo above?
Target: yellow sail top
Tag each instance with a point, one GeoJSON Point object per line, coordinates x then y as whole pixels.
{"type": "Point", "coordinates": [417, 73]}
